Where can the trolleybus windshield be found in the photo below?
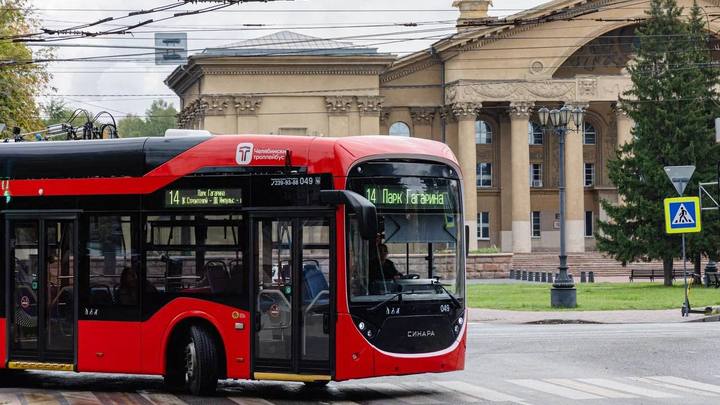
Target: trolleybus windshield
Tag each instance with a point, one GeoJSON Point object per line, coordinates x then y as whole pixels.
{"type": "Point", "coordinates": [415, 256]}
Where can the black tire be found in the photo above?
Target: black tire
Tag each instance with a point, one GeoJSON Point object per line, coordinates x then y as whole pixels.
{"type": "Point", "coordinates": [175, 373]}
{"type": "Point", "coordinates": [201, 362]}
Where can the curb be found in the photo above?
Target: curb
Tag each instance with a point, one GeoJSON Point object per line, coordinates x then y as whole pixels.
{"type": "Point", "coordinates": [711, 318]}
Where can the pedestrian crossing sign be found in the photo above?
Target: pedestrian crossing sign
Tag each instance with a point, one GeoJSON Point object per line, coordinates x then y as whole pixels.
{"type": "Point", "coordinates": [682, 215]}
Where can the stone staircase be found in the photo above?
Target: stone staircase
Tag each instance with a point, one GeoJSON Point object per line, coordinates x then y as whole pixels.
{"type": "Point", "coordinates": [596, 262]}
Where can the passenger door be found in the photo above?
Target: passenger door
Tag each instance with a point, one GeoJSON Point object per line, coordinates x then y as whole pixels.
{"type": "Point", "coordinates": [41, 259]}
{"type": "Point", "coordinates": [294, 267]}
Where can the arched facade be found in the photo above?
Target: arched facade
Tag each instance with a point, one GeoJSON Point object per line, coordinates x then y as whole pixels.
{"type": "Point", "coordinates": [497, 74]}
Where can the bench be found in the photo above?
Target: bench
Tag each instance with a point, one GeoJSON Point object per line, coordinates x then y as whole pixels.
{"type": "Point", "coordinates": [645, 273]}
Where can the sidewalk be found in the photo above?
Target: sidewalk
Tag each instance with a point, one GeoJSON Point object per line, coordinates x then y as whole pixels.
{"type": "Point", "coordinates": [631, 316]}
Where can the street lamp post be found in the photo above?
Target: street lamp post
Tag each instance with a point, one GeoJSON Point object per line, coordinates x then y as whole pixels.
{"type": "Point", "coordinates": [563, 293]}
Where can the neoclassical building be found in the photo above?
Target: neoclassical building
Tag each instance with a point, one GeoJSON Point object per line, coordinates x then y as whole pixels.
{"type": "Point", "coordinates": [477, 90]}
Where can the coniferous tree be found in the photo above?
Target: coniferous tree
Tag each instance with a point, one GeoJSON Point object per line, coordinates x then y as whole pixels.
{"type": "Point", "coordinates": [673, 102]}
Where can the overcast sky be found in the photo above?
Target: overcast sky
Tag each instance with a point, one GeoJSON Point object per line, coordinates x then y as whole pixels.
{"type": "Point", "coordinates": [83, 84]}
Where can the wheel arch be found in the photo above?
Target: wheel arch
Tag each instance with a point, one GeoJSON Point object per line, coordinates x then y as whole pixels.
{"type": "Point", "coordinates": [180, 326]}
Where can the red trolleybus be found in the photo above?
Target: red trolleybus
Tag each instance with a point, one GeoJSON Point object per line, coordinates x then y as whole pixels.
{"type": "Point", "coordinates": [233, 257]}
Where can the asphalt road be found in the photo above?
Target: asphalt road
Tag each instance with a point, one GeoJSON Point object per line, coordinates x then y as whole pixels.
{"type": "Point", "coordinates": [511, 364]}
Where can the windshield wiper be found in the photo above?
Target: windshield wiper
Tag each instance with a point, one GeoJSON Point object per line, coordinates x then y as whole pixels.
{"type": "Point", "coordinates": [385, 301]}
{"type": "Point", "coordinates": [454, 300]}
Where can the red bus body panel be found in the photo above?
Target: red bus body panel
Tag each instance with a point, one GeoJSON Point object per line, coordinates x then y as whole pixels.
{"type": "Point", "coordinates": [109, 346]}
{"type": "Point", "coordinates": [139, 347]}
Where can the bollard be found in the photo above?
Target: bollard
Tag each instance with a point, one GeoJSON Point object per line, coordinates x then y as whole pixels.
{"type": "Point", "coordinates": [524, 275]}
{"type": "Point", "coordinates": [512, 274]}
{"type": "Point", "coordinates": [543, 277]}
{"type": "Point", "coordinates": [517, 274]}
{"type": "Point", "coordinates": [591, 277]}
{"type": "Point", "coordinates": [583, 278]}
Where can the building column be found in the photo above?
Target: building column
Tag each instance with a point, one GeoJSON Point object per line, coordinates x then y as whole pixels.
{"type": "Point", "coordinates": [625, 125]}
{"type": "Point", "coordinates": [247, 108]}
{"type": "Point", "coordinates": [422, 119]}
{"type": "Point", "coordinates": [370, 108]}
{"type": "Point", "coordinates": [519, 163]}
{"type": "Point", "coordinates": [574, 190]}
{"type": "Point", "coordinates": [466, 114]}
{"type": "Point", "coordinates": [338, 115]}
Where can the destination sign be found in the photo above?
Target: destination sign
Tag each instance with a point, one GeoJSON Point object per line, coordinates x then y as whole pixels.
{"type": "Point", "coordinates": [401, 197]}
{"type": "Point", "coordinates": [203, 198]}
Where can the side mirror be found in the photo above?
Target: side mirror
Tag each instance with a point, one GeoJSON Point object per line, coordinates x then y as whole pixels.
{"type": "Point", "coordinates": [361, 206]}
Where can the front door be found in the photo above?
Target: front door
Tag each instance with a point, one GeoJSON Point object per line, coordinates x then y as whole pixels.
{"type": "Point", "coordinates": [41, 262]}
{"type": "Point", "coordinates": [294, 277]}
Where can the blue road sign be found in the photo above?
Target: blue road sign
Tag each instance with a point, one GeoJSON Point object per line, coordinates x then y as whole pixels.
{"type": "Point", "coordinates": [682, 215]}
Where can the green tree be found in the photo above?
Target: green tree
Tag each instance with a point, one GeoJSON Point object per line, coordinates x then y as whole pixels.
{"type": "Point", "coordinates": [19, 82]}
{"type": "Point", "coordinates": [56, 111]}
{"type": "Point", "coordinates": [673, 102]}
{"type": "Point", "coordinates": [159, 117]}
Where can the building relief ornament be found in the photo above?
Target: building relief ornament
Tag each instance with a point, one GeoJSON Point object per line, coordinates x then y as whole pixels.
{"type": "Point", "coordinates": [370, 104]}
{"type": "Point", "coordinates": [509, 91]}
{"type": "Point", "coordinates": [587, 87]}
{"type": "Point", "coordinates": [216, 104]}
{"type": "Point", "coordinates": [192, 114]}
{"type": "Point", "coordinates": [338, 104]}
{"type": "Point", "coordinates": [422, 115]}
{"type": "Point", "coordinates": [465, 110]}
{"type": "Point", "coordinates": [247, 105]}
{"type": "Point", "coordinates": [521, 109]}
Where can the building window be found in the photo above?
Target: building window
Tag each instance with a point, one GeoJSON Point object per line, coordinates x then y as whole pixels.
{"type": "Point", "coordinates": [589, 224]}
{"type": "Point", "coordinates": [536, 175]}
{"type": "Point", "coordinates": [589, 135]}
{"type": "Point", "coordinates": [483, 133]}
{"type": "Point", "coordinates": [535, 221]}
{"type": "Point", "coordinates": [484, 175]}
{"type": "Point", "coordinates": [535, 134]}
{"type": "Point", "coordinates": [399, 129]}
{"type": "Point", "coordinates": [589, 174]}
{"type": "Point", "coordinates": [483, 229]}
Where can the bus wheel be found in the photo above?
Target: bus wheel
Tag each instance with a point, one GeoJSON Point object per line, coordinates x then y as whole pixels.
{"type": "Point", "coordinates": [201, 362]}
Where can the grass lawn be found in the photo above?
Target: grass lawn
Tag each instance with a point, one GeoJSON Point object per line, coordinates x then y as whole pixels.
{"type": "Point", "coordinates": [590, 297]}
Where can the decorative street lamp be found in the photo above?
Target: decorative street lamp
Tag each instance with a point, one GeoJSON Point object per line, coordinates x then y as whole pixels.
{"type": "Point", "coordinates": [563, 293]}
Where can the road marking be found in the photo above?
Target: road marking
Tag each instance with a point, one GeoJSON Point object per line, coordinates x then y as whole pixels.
{"type": "Point", "coordinates": [161, 399]}
{"type": "Point", "coordinates": [37, 398]}
{"type": "Point", "coordinates": [672, 387]}
{"type": "Point", "coordinates": [81, 398]}
{"type": "Point", "coordinates": [9, 399]}
{"type": "Point", "coordinates": [645, 392]}
{"type": "Point", "coordinates": [478, 392]}
{"type": "Point", "coordinates": [688, 383]}
{"type": "Point", "coordinates": [554, 389]}
{"type": "Point", "coordinates": [603, 392]}
{"type": "Point", "coordinates": [401, 393]}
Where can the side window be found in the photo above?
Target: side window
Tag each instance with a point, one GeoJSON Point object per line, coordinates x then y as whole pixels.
{"type": "Point", "coordinates": [112, 261]}
{"type": "Point", "coordinates": [194, 255]}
